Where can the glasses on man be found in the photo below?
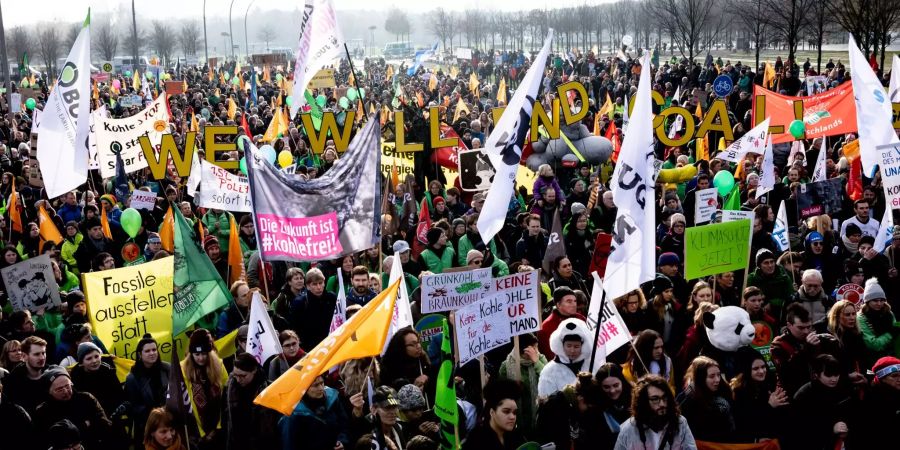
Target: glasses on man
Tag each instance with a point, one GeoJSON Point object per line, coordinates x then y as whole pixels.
{"type": "Point", "coordinates": [657, 399]}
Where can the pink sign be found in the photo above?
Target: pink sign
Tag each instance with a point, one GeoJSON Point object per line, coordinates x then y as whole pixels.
{"type": "Point", "coordinates": [301, 238]}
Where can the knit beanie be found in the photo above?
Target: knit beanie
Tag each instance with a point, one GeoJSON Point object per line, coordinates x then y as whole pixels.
{"type": "Point", "coordinates": [411, 398]}
{"type": "Point", "coordinates": [762, 255]}
{"type": "Point", "coordinates": [63, 434]}
{"type": "Point", "coordinates": [200, 341]}
{"type": "Point", "coordinates": [873, 290]}
{"type": "Point", "coordinates": [433, 235]}
{"type": "Point", "coordinates": [110, 198]}
{"type": "Point", "coordinates": [661, 283]}
{"type": "Point", "coordinates": [473, 255]}
{"type": "Point", "coordinates": [85, 348]}
{"type": "Point", "coordinates": [668, 259]}
{"type": "Point", "coordinates": [52, 373]}
{"type": "Point", "coordinates": [885, 366]}
{"type": "Point", "coordinates": [209, 241]}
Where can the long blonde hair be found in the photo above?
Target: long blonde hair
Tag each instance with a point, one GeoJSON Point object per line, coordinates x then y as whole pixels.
{"type": "Point", "coordinates": [214, 371]}
{"type": "Point", "coordinates": [834, 318]}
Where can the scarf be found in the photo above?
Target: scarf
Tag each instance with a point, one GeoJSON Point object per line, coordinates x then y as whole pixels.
{"type": "Point", "coordinates": [851, 247]}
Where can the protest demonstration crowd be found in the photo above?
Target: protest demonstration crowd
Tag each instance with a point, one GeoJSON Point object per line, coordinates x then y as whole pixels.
{"type": "Point", "coordinates": [496, 250]}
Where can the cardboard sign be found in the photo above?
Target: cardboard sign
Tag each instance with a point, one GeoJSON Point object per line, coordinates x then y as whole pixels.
{"type": "Point", "coordinates": [522, 293]}
{"type": "Point", "coordinates": [323, 79]}
{"type": "Point", "coordinates": [705, 205]}
{"type": "Point", "coordinates": [30, 284]}
{"type": "Point", "coordinates": [463, 53]}
{"type": "Point", "coordinates": [143, 200]}
{"type": "Point", "coordinates": [821, 197]}
{"type": "Point", "coordinates": [16, 102]}
{"type": "Point", "coordinates": [220, 189]}
{"type": "Point", "coordinates": [716, 248]}
{"type": "Point", "coordinates": [175, 87]}
{"type": "Point", "coordinates": [453, 290]}
{"type": "Point", "coordinates": [122, 135]}
{"type": "Point", "coordinates": [731, 216]}
{"type": "Point", "coordinates": [480, 327]}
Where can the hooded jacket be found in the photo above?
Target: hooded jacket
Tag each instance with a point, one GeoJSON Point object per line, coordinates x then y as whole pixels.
{"type": "Point", "coordinates": [563, 371]}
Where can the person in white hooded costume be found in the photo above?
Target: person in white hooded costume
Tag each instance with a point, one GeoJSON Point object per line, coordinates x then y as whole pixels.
{"type": "Point", "coordinates": [571, 342]}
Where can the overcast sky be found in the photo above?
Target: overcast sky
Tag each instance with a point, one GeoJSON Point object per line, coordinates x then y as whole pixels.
{"type": "Point", "coordinates": [25, 12]}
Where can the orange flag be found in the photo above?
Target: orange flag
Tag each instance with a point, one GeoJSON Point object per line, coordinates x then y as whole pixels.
{"type": "Point", "coordinates": [232, 108]}
{"type": "Point", "coordinates": [15, 216]}
{"type": "Point", "coordinates": [266, 76]}
{"type": "Point", "coordinates": [362, 336]}
{"type": "Point", "coordinates": [48, 230]}
{"type": "Point", "coordinates": [167, 231]}
{"type": "Point", "coordinates": [235, 256]}
{"type": "Point", "coordinates": [104, 222]}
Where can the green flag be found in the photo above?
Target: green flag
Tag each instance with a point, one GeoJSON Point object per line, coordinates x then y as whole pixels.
{"type": "Point", "coordinates": [733, 202]}
{"type": "Point", "coordinates": [23, 65]}
{"type": "Point", "coordinates": [445, 395]}
{"type": "Point", "coordinates": [199, 289]}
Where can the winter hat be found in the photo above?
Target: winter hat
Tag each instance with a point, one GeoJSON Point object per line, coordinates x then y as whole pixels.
{"type": "Point", "coordinates": [208, 241]}
{"type": "Point", "coordinates": [91, 223]}
{"type": "Point", "coordinates": [146, 339]}
{"type": "Point", "coordinates": [411, 398]}
{"type": "Point", "coordinates": [578, 208]}
{"type": "Point", "coordinates": [437, 199]}
{"type": "Point", "coordinates": [867, 240]}
{"type": "Point", "coordinates": [400, 247]}
{"type": "Point", "coordinates": [63, 434]}
{"type": "Point", "coordinates": [52, 373]}
{"type": "Point", "coordinates": [815, 236]}
{"type": "Point", "coordinates": [853, 229]}
{"type": "Point", "coordinates": [433, 235]}
{"type": "Point", "coordinates": [73, 298]}
{"type": "Point", "coordinates": [459, 221]}
{"type": "Point", "coordinates": [153, 238]}
{"type": "Point", "coordinates": [86, 347]}
{"type": "Point", "coordinates": [668, 259]}
{"type": "Point", "coordinates": [762, 255]}
{"type": "Point", "coordinates": [873, 290]}
{"type": "Point", "coordinates": [660, 284]}
{"type": "Point", "coordinates": [110, 198]}
{"type": "Point", "coordinates": [677, 218]}
{"type": "Point", "coordinates": [200, 342]}
{"type": "Point", "coordinates": [473, 255]}
{"type": "Point", "coordinates": [885, 366]}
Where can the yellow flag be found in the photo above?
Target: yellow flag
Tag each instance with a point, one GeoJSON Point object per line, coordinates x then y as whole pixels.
{"type": "Point", "coordinates": [501, 92]}
{"type": "Point", "coordinates": [768, 76]}
{"type": "Point", "coordinates": [15, 216]}
{"type": "Point", "coordinates": [232, 109]}
{"type": "Point", "coordinates": [389, 73]}
{"type": "Point", "coordinates": [460, 108]}
{"type": "Point", "coordinates": [454, 72]}
{"type": "Point", "coordinates": [703, 148]}
{"type": "Point", "coordinates": [266, 76]}
{"type": "Point", "coordinates": [104, 222]}
{"type": "Point", "coordinates": [47, 229]}
{"type": "Point", "coordinates": [184, 85]}
{"type": "Point", "coordinates": [167, 230]}
{"type": "Point", "coordinates": [432, 83]}
{"type": "Point", "coordinates": [272, 131]}
{"type": "Point", "coordinates": [362, 336]}
{"type": "Point", "coordinates": [473, 83]}
{"type": "Point", "coordinates": [211, 75]}
{"type": "Point", "coordinates": [95, 92]}
{"type": "Point", "coordinates": [195, 124]}
{"type": "Point", "coordinates": [351, 81]}
{"type": "Point", "coordinates": [699, 111]}
{"type": "Point", "coordinates": [235, 256]}
{"type": "Point", "coordinates": [607, 108]}
{"type": "Point", "coordinates": [221, 78]}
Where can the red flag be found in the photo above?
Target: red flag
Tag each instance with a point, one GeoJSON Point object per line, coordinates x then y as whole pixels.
{"type": "Point", "coordinates": [601, 254]}
{"type": "Point", "coordinates": [854, 184]}
{"type": "Point", "coordinates": [245, 125]}
{"type": "Point", "coordinates": [448, 156]}
{"type": "Point", "coordinates": [613, 135]}
{"type": "Point", "coordinates": [421, 240]}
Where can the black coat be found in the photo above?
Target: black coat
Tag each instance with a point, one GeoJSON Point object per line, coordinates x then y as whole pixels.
{"type": "Point", "coordinates": [15, 426]}
{"type": "Point", "coordinates": [102, 384]}
{"type": "Point", "coordinates": [145, 389]}
{"type": "Point", "coordinates": [246, 425]}
{"type": "Point", "coordinates": [83, 410]}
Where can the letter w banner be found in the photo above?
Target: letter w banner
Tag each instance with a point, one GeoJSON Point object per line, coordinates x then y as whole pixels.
{"type": "Point", "coordinates": [632, 258]}
{"type": "Point", "coordinates": [361, 336]}
{"type": "Point", "coordinates": [504, 145]}
{"type": "Point", "coordinates": [121, 135]}
{"type": "Point", "coordinates": [65, 125]}
{"type": "Point", "coordinates": [830, 113]}
{"type": "Point", "coordinates": [262, 339]}
{"type": "Point", "coordinates": [325, 218]}
{"type": "Point", "coordinates": [320, 43]}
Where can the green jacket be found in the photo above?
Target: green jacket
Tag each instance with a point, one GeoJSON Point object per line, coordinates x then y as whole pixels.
{"type": "Point", "coordinates": [411, 282]}
{"type": "Point", "coordinates": [219, 225]}
{"type": "Point", "coordinates": [778, 287]}
{"type": "Point", "coordinates": [435, 264]}
{"type": "Point", "coordinates": [530, 374]}
{"type": "Point", "coordinates": [499, 267]}
{"type": "Point", "coordinates": [876, 345]}
{"type": "Point", "coordinates": [67, 252]}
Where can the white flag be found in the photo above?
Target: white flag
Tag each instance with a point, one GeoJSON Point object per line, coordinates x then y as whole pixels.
{"type": "Point", "coordinates": [753, 141]}
{"type": "Point", "coordinates": [262, 339]}
{"type": "Point", "coordinates": [65, 121]}
{"type": "Point", "coordinates": [894, 89]}
{"type": "Point", "coordinates": [874, 112]}
{"type": "Point", "coordinates": [402, 312]}
{"type": "Point", "coordinates": [504, 145]}
{"type": "Point", "coordinates": [677, 94]}
{"type": "Point", "coordinates": [613, 331]}
{"type": "Point", "coordinates": [632, 258]}
{"type": "Point", "coordinates": [193, 181]}
{"type": "Point", "coordinates": [780, 232]}
{"type": "Point", "coordinates": [767, 180]}
{"type": "Point", "coordinates": [340, 306]}
{"type": "Point", "coordinates": [625, 118]}
{"type": "Point", "coordinates": [820, 171]}
{"type": "Point", "coordinates": [320, 43]}
{"type": "Point", "coordinates": [676, 126]}
{"type": "Point", "coordinates": [885, 232]}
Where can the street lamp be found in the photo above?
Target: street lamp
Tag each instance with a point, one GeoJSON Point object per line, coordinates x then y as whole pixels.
{"type": "Point", "coordinates": [230, 31]}
{"type": "Point", "coordinates": [246, 45]}
{"type": "Point", "coordinates": [205, 43]}
{"type": "Point", "coordinates": [225, 35]}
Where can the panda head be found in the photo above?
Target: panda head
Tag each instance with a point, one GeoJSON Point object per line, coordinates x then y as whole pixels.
{"type": "Point", "coordinates": [571, 330]}
{"type": "Point", "coordinates": [728, 328]}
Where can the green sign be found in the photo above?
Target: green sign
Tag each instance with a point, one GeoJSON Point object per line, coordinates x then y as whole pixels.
{"type": "Point", "coordinates": [716, 248]}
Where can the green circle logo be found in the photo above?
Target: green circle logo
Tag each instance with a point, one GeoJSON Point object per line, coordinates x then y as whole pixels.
{"type": "Point", "coordinates": [69, 75]}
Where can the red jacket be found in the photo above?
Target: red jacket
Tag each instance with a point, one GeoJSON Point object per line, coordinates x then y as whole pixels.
{"type": "Point", "coordinates": [548, 327]}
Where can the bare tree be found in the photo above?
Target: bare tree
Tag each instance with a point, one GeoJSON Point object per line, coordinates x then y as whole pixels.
{"type": "Point", "coordinates": [685, 21]}
{"type": "Point", "coordinates": [855, 17]}
{"type": "Point", "coordinates": [72, 35]}
{"type": "Point", "coordinates": [266, 34]}
{"type": "Point", "coordinates": [788, 20]}
{"type": "Point", "coordinates": [163, 39]}
{"type": "Point", "coordinates": [131, 44]}
{"type": "Point", "coordinates": [105, 40]}
{"type": "Point", "coordinates": [19, 42]}
{"type": "Point", "coordinates": [397, 23]}
{"type": "Point", "coordinates": [49, 44]}
{"type": "Point", "coordinates": [751, 18]}
{"type": "Point", "coordinates": [189, 38]}
{"type": "Point", "coordinates": [441, 24]}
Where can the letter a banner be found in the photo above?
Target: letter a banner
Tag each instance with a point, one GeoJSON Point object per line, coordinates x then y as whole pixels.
{"type": "Point", "coordinates": [324, 218]}
{"type": "Point", "coordinates": [125, 303]}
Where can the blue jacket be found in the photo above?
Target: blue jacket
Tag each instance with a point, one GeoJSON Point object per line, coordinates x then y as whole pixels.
{"type": "Point", "coordinates": [68, 213]}
{"type": "Point", "coordinates": [315, 430]}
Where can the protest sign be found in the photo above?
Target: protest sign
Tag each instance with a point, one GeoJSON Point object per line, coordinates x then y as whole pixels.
{"type": "Point", "coordinates": [821, 197]}
{"type": "Point", "coordinates": [463, 53]}
{"type": "Point", "coordinates": [30, 284]}
{"type": "Point", "coordinates": [403, 162]}
{"type": "Point", "coordinates": [453, 290]}
{"type": "Point", "coordinates": [221, 189]}
{"type": "Point", "coordinates": [124, 304]}
{"type": "Point", "coordinates": [830, 113]}
{"type": "Point", "coordinates": [431, 332]}
{"type": "Point", "coordinates": [141, 199]}
{"type": "Point", "coordinates": [121, 135]}
{"type": "Point", "coordinates": [731, 216]}
{"type": "Point", "coordinates": [716, 248]}
{"type": "Point", "coordinates": [707, 201]}
{"type": "Point", "coordinates": [762, 341]}
{"type": "Point", "coordinates": [522, 293]}
{"type": "Point", "coordinates": [889, 164]}
{"type": "Point", "coordinates": [323, 79]}
{"type": "Point", "coordinates": [480, 327]}
{"type": "Point", "coordinates": [16, 102]}
{"type": "Point", "coordinates": [174, 87]}
{"type": "Point", "coordinates": [851, 292]}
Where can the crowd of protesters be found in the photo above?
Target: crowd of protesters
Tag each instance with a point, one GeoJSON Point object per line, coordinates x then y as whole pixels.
{"type": "Point", "coordinates": [832, 377]}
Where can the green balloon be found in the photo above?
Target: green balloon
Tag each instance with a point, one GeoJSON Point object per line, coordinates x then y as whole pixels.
{"type": "Point", "coordinates": [362, 92]}
{"type": "Point", "coordinates": [321, 100]}
{"type": "Point", "coordinates": [235, 80]}
{"type": "Point", "coordinates": [128, 73]}
{"type": "Point", "coordinates": [289, 100]}
{"type": "Point", "coordinates": [278, 77]}
{"type": "Point", "coordinates": [344, 102]}
{"type": "Point", "coordinates": [724, 182]}
{"type": "Point", "coordinates": [30, 103]}
{"type": "Point", "coordinates": [352, 95]}
{"type": "Point", "coordinates": [243, 165]}
{"type": "Point", "coordinates": [131, 222]}
{"type": "Point", "coordinates": [797, 129]}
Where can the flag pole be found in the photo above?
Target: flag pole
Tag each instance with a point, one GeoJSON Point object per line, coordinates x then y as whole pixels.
{"type": "Point", "coordinates": [355, 81]}
{"type": "Point", "coordinates": [597, 328]}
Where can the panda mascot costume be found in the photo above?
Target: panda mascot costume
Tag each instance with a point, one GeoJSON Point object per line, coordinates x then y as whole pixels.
{"type": "Point", "coordinates": [730, 333]}
{"type": "Point", "coordinates": [571, 342]}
